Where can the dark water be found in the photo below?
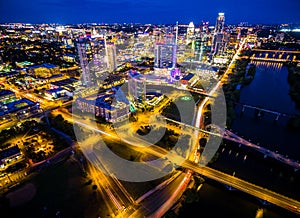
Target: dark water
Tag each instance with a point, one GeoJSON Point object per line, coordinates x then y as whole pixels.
{"type": "Point", "coordinates": [217, 201]}
{"type": "Point", "coordinates": [268, 90]}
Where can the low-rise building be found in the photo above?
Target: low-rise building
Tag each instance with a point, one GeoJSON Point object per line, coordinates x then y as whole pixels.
{"type": "Point", "coordinates": [43, 70]}
{"type": "Point", "coordinates": [68, 84]}
{"type": "Point", "coordinates": [6, 96]}
{"type": "Point", "coordinates": [19, 108]}
{"type": "Point", "coordinates": [9, 156]}
{"type": "Point", "coordinates": [188, 79]}
{"type": "Point", "coordinates": [57, 93]}
{"type": "Point", "coordinates": [104, 107]}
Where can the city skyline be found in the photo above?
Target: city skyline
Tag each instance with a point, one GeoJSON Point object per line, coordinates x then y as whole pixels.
{"type": "Point", "coordinates": [157, 12]}
{"type": "Point", "coordinates": [123, 110]}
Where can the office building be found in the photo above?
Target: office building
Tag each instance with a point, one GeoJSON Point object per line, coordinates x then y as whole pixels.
{"type": "Point", "coordinates": [165, 55]}
{"type": "Point", "coordinates": [84, 50]}
{"type": "Point", "coordinates": [219, 37]}
{"type": "Point", "coordinates": [136, 87]}
{"type": "Point", "coordinates": [104, 106]}
{"type": "Point", "coordinates": [111, 56]}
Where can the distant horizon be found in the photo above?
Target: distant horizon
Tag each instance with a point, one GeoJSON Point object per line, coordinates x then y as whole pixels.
{"type": "Point", "coordinates": [140, 23]}
{"type": "Point", "coordinates": [146, 11]}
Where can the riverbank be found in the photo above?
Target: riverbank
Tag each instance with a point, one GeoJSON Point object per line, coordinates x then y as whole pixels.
{"type": "Point", "coordinates": [242, 75]}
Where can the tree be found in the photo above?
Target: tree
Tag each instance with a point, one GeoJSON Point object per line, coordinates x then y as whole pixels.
{"type": "Point", "coordinates": [202, 142]}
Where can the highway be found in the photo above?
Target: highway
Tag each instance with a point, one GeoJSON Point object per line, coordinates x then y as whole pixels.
{"type": "Point", "coordinates": [115, 196]}
{"type": "Point", "coordinates": [239, 184]}
{"type": "Point", "coordinates": [257, 191]}
{"type": "Point", "coordinates": [152, 205]}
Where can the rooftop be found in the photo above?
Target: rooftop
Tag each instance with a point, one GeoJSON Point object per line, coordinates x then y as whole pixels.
{"type": "Point", "coordinates": [16, 106]}
{"type": "Point", "coordinates": [65, 82]}
{"type": "Point", "coordinates": [5, 74]}
{"type": "Point", "coordinates": [9, 152]}
{"type": "Point", "coordinates": [44, 65]}
{"type": "Point", "coordinates": [188, 77]}
{"type": "Point", "coordinates": [4, 92]}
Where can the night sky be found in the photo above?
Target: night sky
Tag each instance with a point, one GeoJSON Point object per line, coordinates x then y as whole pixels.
{"type": "Point", "coordinates": [149, 11]}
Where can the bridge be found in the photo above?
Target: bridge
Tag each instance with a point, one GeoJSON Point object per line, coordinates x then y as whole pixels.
{"type": "Point", "coordinates": [276, 113]}
{"type": "Point", "coordinates": [282, 158]}
{"type": "Point", "coordinates": [262, 193]}
{"type": "Point", "coordinates": [275, 55]}
{"type": "Point", "coordinates": [247, 187]}
{"type": "Point", "coordinates": [226, 134]}
{"type": "Point", "coordinates": [232, 181]}
{"type": "Point", "coordinates": [195, 90]}
{"type": "Point", "coordinates": [276, 51]}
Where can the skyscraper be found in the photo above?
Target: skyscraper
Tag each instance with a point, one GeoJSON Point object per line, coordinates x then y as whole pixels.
{"type": "Point", "coordinates": [199, 45]}
{"type": "Point", "coordinates": [190, 33]}
{"type": "Point", "coordinates": [136, 86]}
{"type": "Point", "coordinates": [165, 51]}
{"type": "Point", "coordinates": [111, 57]}
{"type": "Point", "coordinates": [219, 38]}
{"type": "Point", "coordinates": [219, 28]}
{"type": "Point", "coordinates": [84, 51]}
{"type": "Point", "coordinates": [165, 55]}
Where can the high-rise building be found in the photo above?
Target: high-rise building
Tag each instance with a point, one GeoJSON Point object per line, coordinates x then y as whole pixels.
{"type": "Point", "coordinates": [219, 28]}
{"type": "Point", "coordinates": [191, 29]}
{"type": "Point", "coordinates": [219, 37]}
{"type": "Point", "coordinates": [165, 51]}
{"type": "Point", "coordinates": [165, 55]}
{"type": "Point", "coordinates": [136, 87]}
{"type": "Point", "coordinates": [190, 33]}
{"type": "Point", "coordinates": [84, 50]}
{"type": "Point", "coordinates": [111, 57]}
{"type": "Point", "coordinates": [199, 45]}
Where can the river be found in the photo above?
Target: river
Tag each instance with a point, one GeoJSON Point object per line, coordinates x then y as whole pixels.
{"type": "Point", "coordinates": [269, 90]}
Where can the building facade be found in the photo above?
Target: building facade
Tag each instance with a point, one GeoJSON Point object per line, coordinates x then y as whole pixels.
{"type": "Point", "coordinates": [104, 107]}
{"type": "Point", "coordinates": [136, 86]}
{"type": "Point", "coordinates": [84, 50]}
{"type": "Point", "coordinates": [219, 37]}
{"type": "Point", "coordinates": [164, 55]}
{"type": "Point", "coordinates": [111, 55]}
